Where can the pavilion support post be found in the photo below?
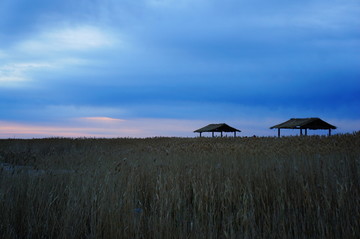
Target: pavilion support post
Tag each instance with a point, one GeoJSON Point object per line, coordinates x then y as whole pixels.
{"type": "Point", "coordinates": [329, 132]}
{"type": "Point", "coordinates": [221, 134]}
{"type": "Point", "coordinates": [234, 134]}
{"type": "Point", "coordinates": [305, 132]}
{"type": "Point", "coordinates": [212, 134]}
{"type": "Point", "coordinates": [301, 132]}
{"type": "Point", "coordinates": [279, 132]}
{"type": "Point", "coordinates": [200, 134]}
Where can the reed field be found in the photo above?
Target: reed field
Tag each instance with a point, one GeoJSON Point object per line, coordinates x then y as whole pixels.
{"type": "Point", "coordinates": [254, 187]}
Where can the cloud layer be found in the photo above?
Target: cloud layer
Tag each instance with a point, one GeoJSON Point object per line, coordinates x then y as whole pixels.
{"type": "Point", "coordinates": [208, 61]}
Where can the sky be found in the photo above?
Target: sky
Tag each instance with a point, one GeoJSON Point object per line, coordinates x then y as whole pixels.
{"type": "Point", "coordinates": [145, 68]}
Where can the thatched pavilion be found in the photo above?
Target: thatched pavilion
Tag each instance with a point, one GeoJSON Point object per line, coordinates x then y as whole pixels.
{"type": "Point", "coordinates": [304, 123]}
{"type": "Point", "coordinates": [217, 128]}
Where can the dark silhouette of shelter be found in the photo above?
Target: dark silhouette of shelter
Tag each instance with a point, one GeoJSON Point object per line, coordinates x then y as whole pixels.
{"type": "Point", "coordinates": [304, 123]}
{"type": "Point", "coordinates": [217, 128]}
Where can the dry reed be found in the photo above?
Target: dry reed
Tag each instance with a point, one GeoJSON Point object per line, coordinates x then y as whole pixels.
{"type": "Point", "coordinates": [290, 187]}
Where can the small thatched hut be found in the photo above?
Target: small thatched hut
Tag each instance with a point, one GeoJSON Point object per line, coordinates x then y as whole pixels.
{"type": "Point", "coordinates": [304, 123]}
{"type": "Point", "coordinates": [217, 128]}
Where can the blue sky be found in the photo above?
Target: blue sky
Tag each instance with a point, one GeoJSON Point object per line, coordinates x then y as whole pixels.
{"type": "Point", "coordinates": [119, 68]}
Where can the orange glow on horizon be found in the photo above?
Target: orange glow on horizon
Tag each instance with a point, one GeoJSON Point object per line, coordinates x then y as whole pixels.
{"type": "Point", "coordinates": [103, 119]}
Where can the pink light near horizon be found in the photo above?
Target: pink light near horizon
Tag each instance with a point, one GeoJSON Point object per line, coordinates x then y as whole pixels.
{"type": "Point", "coordinates": [99, 127]}
{"type": "Point", "coordinates": [102, 119]}
{"type": "Point", "coordinates": [106, 127]}
{"type": "Point", "coordinates": [26, 130]}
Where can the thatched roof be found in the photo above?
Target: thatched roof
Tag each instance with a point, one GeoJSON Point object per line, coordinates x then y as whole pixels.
{"type": "Point", "coordinates": [217, 128]}
{"type": "Point", "coordinates": [304, 123]}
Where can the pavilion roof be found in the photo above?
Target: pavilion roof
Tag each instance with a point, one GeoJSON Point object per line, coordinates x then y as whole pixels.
{"type": "Point", "coordinates": [304, 123]}
{"type": "Point", "coordinates": [217, 128]}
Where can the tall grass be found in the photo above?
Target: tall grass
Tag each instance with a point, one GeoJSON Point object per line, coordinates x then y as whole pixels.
{"type": "Point", "coordinates": [290, 187]}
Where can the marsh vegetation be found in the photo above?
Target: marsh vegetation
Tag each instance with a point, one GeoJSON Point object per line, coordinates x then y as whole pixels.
{"type": "Point", "coordinates": [264, 187]}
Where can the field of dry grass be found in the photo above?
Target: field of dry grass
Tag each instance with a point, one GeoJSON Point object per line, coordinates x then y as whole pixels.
{"type": "Point", "coordinates": [290, 187]}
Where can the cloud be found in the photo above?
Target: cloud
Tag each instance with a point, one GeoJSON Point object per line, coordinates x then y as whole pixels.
{"type": "Point", "coordinates": [83, 112]}
{"type": "Point", "coordinates": [140, 127]}
{"type": "Point", "coordinates": [102, 119]}
{"type": "Point", "coordinates": [28, 130]}
{"type": "Point", "coordinates": [13, 74]}
{"type": "Point", "coordinates": [105, 60]}
{"type": "Point", "coordinates": [151, 127]}
{"type": "Point", "coordinates": [55, 49]}
{"type": "Point", "coordinates": [70, 39]}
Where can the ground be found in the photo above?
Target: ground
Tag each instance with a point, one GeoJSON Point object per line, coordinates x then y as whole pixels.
{"type": "Point", "coordinates": [263, 187]}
